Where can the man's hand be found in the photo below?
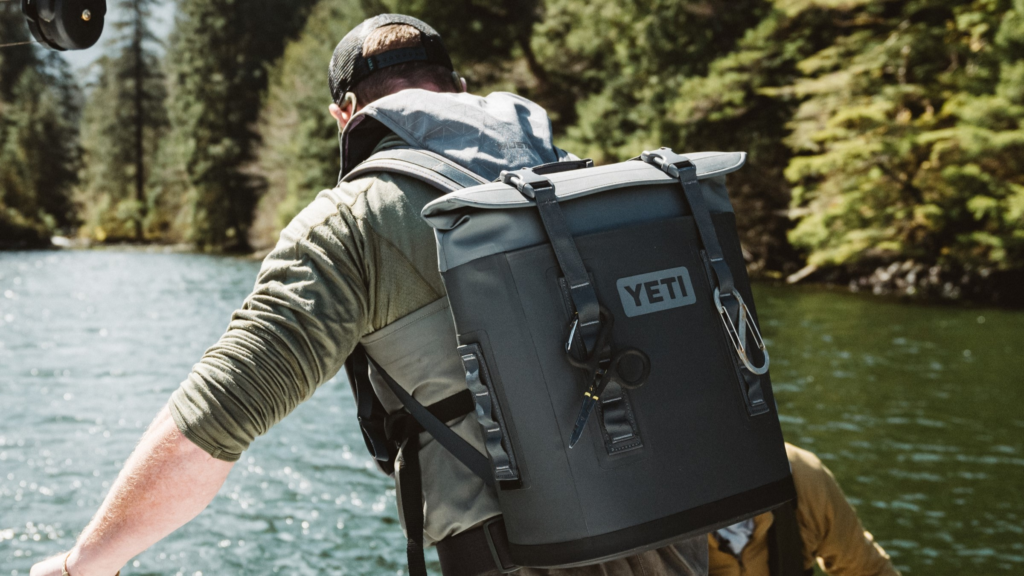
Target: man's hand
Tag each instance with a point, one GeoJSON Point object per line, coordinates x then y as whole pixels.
{"type": "Point", "coordinates": [52, 566]}
{"type": "Point", "coordinates": [166, 482]}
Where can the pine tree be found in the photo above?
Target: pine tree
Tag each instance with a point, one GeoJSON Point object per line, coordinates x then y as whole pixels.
{"type": "Point", "coordinates": [909, 140]}
{"type": "Point", "coordinates": [299, 154]}
{"type": "Point", "coordinates": [39, 110]}
{"type": "Point", "coordinates": [123, 123]}
{"type": "Point", "coordinates": [218, 58]}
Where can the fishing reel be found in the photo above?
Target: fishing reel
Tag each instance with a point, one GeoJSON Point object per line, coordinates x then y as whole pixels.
{"type": "Point", "coordinates": [65, 24]}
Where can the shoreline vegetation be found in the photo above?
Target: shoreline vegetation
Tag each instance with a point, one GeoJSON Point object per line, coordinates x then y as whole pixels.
{"type": "Point", "coordinates": [904, 281]}
{"type": "Point", "coordinates": [885, 139]}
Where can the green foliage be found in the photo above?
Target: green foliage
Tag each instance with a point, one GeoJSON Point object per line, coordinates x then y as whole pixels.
{"type": "Point", "coordinates": [880, 132]}
{"type": "Point", "coordinates": [123, 123]}
{"type": "Point", "coordinates": [623, 65]}
{"type": "Point", "coordinates": [39, 110]}
{"type": "Point", "coordinates": [909, 137]}
{"type": "Point", "coordinates": [299, 155]}
{"type": "Point", "coordinates": [218, 58]}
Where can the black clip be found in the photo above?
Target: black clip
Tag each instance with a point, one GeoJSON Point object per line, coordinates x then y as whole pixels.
{"type": "Point", "coordinates": [526, 181]}
{"type": "Point", "coordinates": [671, 163]}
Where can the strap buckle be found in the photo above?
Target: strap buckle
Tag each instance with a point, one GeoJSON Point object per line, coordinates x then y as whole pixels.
{"type": "Point", "coordinates": [526, 181]}
{"type": "Point", "coordinates": [667, 160]}
{"type": "Point", "coordinates": [738, 334]}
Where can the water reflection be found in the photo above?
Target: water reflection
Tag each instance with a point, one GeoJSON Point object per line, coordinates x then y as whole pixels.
{"type": "Point", "coordinates": [913, 408]}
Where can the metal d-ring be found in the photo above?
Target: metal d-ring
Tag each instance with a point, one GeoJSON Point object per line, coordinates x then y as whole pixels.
{"type": "Point", "coordinates": [738, 335]}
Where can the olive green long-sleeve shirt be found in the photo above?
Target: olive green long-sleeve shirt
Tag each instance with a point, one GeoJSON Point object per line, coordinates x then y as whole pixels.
{"type": "Point", "coordinates": [358, 258]}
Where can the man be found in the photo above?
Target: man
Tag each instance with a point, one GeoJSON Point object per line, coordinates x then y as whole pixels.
{"type": "Point", "coordinates": [826, 530]}
{"type": "Point", "coordinates": [358, 266]}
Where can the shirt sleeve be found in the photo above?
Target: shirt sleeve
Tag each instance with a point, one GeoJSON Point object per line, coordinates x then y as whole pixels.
{"type": "Point", "coordinates": [308, 310]}
{"type": "Point", "coordinates": [829, 526]}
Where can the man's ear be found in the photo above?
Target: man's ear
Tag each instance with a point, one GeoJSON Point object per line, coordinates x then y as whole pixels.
{"type": "Point", "coordinates": [459, 82]}
{"type": "Point", "coordinates": [344, 112]}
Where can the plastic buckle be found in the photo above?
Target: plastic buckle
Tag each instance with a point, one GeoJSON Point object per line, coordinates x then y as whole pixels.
{"type": "Point", "coordinates": [526, 181]}
{"type": "Point", "coordinates": [667, 160]}
{"type": "Point", "coordinates": [494, 549]}
{"type": "Point", "coordinates": [738, 334]}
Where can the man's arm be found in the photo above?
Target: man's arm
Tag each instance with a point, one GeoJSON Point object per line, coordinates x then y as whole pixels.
{"type": "Point", "coordinates": [166, 482]}
{"type": "Point", "coordinates": [829, 526]}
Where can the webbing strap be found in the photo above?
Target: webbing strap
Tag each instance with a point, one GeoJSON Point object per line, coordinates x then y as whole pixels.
{"type": "Point", "coordinates": [432, 420]}
{"type": "Point", "coordinates": [785, 544]}
{"type": "Point", "coordinates": [410, 482]}
{"type": "Point", "coordinates": [725, 286]}
{"type": "Point", "coordinates": [452, 442]}
{"type": "Point", "coordinates": [581, 291]}
{"type": "Point", "coordinates": [369, 411]}
{"type": "Point", "coordinates": [706, 229]}
{"type": "Point", "coordinates": [481, 551]}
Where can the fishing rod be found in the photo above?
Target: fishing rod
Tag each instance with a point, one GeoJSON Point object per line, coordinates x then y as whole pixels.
{"type": "Point", "coordinates": [62, 24]}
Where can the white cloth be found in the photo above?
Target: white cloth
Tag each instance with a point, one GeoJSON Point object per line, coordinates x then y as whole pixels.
{"type": "Point", "coordinates": [736, 536]}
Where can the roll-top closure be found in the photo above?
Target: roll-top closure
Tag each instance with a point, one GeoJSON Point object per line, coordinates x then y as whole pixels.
{"type": "Point", "coordinates": [577, 184]}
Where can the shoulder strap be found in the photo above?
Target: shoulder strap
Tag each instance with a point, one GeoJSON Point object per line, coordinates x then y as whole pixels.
{"type": "Point", "coordinates": [423, 165]}
{"type": "Point", "coordinates": [785, 545]}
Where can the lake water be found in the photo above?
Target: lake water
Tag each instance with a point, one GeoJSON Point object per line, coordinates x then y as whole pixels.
{"type": "Point", "coordinates": [915, 408]}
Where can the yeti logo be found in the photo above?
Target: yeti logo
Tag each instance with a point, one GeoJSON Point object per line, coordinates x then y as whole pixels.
{"type": "Point", "coordinates": [656, 291]}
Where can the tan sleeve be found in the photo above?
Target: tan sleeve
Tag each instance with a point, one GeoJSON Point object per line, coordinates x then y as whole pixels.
{"type": "Point", "coordinates": [306, 313]}
{"type": "Point", "coordinates": [829, 526]}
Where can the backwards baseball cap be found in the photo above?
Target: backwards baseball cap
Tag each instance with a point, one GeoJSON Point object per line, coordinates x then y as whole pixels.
{"type": "Point", "coordinates": [349, 66]}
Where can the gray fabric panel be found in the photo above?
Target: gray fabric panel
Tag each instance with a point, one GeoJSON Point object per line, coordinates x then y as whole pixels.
{"type": "Point", "coordinates": [474, 233]}
{"type": "Point", "coordinates": [578, 183]}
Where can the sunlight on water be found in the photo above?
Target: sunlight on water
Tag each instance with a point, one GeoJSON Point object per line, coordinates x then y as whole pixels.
{"type": "Point", "coordinates": [913, 408]}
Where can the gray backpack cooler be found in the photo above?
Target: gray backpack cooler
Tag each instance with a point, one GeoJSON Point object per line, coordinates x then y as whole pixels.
{"type": "Point", "coordinates": [611, 345]}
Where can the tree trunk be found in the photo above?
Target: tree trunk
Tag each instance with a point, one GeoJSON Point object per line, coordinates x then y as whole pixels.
{"type": "Point", "coordinates": [139, 117]}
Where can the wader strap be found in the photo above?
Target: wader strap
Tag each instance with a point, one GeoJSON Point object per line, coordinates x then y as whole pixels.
{"type": "Point", "coordinates": [404, 427]}
{"type": "Point", "coordinates": [477, 552]}
{"type": "Point", "coordinates": [539, 189]}
{"type": "Point", "coordinates": [370, 412]}
{"type": "Point", "coordinates": [452, 442]}
{"type": "Point", "coordinates": [410, 484]}
{"type": "Point", "coordinates": [428, 167]}
{"type": "Point", "coordinates": [785, 545]}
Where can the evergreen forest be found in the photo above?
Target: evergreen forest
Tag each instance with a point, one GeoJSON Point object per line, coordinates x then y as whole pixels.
{"type": "Point", "coordinates": [886, 137]}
